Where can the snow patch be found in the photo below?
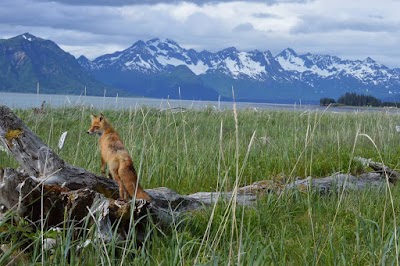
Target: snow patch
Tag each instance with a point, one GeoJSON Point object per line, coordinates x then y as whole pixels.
{"type": "Point", "coordinates": [165, 60]}
{"type": "Point", "coordinates": [26, 38]}
{"type": "Point", "coordinates": [199, 68]}
{"type": "Point", "coordinates": [297, 64]}
{"type": "Point", "coordinates": [245, 66]}
{"type": "Point", "coordinates": [138, 62]}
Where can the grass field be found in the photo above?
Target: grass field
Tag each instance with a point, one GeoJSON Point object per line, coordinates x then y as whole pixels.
{"type": "Point", "coordinates": [212, 150]}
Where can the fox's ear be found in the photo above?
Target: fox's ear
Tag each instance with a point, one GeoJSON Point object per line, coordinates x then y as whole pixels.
{"type": "Point", "coordinates": [92, 116]}
{"type": "Point", "coordinates": [101, 116]}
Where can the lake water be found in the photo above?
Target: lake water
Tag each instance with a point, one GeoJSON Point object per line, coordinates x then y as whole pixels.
{"type": "Point", "coordinates": [26, 100]}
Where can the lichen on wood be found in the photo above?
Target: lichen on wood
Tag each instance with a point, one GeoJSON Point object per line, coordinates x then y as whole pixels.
{"type": "Point", "coordinates": [11, 135]}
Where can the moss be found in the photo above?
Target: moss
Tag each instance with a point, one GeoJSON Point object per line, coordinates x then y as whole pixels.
{"type": "Point", "coordinates": [13, 134]}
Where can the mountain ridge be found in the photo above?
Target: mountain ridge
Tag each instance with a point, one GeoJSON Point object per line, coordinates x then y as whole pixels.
{"type": "Point", "coordinates": [26, 60]}
{"type": "Point", "coordinates": [161, 68]}
{"type": "Point", "coordinates": [286, 75]}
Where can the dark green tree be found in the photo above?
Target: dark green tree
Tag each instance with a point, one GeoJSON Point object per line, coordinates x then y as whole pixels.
{"type": "Point", "coordinates": [354, 99]}
{"type": "Point", "coordinates": [326, 101]}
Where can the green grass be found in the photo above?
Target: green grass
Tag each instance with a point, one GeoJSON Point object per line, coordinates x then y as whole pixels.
{"type": "Point", "coordinates": [206, 151]}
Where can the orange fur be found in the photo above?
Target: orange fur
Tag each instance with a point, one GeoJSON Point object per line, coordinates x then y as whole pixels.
{"type": "Point", "coordinates": [119, 163]}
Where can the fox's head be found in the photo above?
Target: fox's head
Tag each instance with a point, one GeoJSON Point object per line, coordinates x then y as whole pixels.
{"type": "Point", "coordinates": [98, 125]}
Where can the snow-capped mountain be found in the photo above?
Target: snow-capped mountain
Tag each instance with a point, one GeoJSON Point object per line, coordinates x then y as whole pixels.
{"type": "Point", "coordinates": [162, 68]}
{"type": "Point", "coordinates": [157, 64]}
{"type": "Point", "coordinates": [160, 56]}
{"type": "Point", "coordinates": [367, 71]}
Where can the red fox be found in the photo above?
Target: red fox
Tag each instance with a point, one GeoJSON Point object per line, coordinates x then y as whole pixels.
{"type": "Point", "coordinates": [114, 154]}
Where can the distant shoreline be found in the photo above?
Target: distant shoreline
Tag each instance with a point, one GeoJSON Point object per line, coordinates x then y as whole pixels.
{"type": "Point", "coordinates": [31, 100]}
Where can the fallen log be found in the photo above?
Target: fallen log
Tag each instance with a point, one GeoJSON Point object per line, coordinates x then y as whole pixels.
{"type": "Point", "coordinates": [47, 187]}
{"type": "Point", "coordinates": [46, 176]}
{"type": "Point", "coordinates": [38, 160]}
{"type": "Point", "coordinates": [392, 175]}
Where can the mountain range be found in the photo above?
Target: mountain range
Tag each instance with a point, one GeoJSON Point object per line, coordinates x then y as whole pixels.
{"type": "Point", "coordinates": [161, 68]}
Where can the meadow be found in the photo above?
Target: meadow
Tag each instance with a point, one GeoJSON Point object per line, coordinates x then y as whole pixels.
{"type": "Point", "coordinates": [209, 150]}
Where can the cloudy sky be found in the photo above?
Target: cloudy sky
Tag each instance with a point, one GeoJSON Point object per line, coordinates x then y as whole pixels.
{"type": "Point", "coordinates": [350, 29]}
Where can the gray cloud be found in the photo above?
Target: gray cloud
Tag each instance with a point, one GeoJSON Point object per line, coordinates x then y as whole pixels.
{"type": "Point", "coordinates": [265, 15]}
{"type": "Point", "coordinates": [315, 24]}
{"type": "Point", "coordinates": [245, 27]}
{"type": "Point", "coordinates": [152, 2]}
{"type": "Point", "coordinates": [97, 27]}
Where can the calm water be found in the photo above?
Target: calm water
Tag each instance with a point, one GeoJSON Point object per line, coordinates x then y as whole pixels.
{"type": "Point", "coordinates": [25, 100]}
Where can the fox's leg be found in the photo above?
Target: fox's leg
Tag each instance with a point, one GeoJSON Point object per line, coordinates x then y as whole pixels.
{"type": "Point", "coordinates": [121, 190]}
{"type": "Point", "coordinates": [128, 179]}
{"type": "Point", "coordinates": [132, 186]}
{"type": "Point", "coordinates": [103, 167]}
{"type": "Point", "coordinates": [120, 187]}
{"type": "Point", "coordinates": [113, 170]}
{"type": "Point", "coordinates": [126, 195]}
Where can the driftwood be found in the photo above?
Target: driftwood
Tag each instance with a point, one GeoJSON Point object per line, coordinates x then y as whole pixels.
{"type": "Point", "coordinates": [41, 109]}
{"type": "Point", "coordinates": [381, 169]}
{"type": "Point", "coordinates": [47, 188]}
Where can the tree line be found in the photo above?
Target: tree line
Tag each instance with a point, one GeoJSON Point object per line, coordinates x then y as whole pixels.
{"type": "Point", "coordinates": [354, 99]}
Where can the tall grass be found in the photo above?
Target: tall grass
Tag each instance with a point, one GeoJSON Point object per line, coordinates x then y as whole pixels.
{"type": "Point", "coordinates": [212, 150]}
